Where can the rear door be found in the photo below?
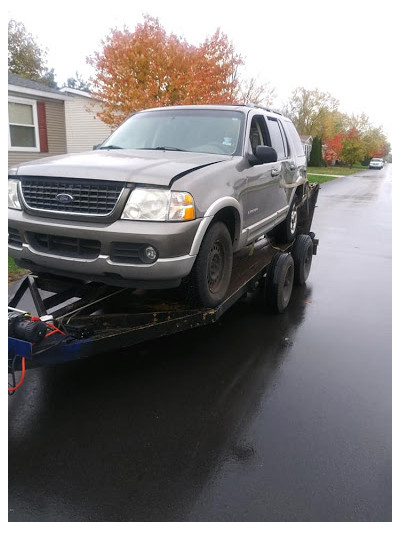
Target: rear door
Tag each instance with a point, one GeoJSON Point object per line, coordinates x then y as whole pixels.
{"type": "Point", "coordinates": [285, 158]}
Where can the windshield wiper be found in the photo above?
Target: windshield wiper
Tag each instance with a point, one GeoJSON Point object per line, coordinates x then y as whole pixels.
{"type": "Point", "coordinates": [110, 147]}
{"type": "Point", "coordinates": [169, 148]}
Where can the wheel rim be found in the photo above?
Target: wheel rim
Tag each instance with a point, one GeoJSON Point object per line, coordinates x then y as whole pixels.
{"type": "Point", "coordinates": [216, 264]}
{"type": "Point", "coordinates": [293, 220]}
{"type": "Point", "coordinates": [288, 285]}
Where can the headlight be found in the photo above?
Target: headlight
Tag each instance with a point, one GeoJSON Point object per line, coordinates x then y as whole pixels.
{"type": "Point", "coordinates": [13, 200]}
{"type": "Point", "coordinates": [159, 204]}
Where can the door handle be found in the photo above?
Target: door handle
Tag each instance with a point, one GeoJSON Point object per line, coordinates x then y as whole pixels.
{"type": "Point", "coordinates": [275, 171]}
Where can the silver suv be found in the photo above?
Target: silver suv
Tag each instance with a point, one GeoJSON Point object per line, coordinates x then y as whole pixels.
{"type": "Point", "coordinates": [169, 196]}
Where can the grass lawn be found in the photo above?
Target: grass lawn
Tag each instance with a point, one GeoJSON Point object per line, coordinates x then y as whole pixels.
{"type": "Point", "coordinates": [323, 174]}
{"type": "Point", "coordinates": [14, 272]}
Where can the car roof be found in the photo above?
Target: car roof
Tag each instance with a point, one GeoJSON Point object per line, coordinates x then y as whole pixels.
{"type": "Point", "coordinates": [231, 107]}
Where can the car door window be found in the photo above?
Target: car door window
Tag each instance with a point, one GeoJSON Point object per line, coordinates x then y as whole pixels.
{"type": "Point", "coordinates": [277, 140]}
{"type": "Point", "coordinates": [258, 133]}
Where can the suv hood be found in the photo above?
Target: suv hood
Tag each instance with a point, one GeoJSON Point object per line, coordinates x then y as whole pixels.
{"type": "Point", "coordinates": [133, 166]}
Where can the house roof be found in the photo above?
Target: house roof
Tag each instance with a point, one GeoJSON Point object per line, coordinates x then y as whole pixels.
{"type": "Point", "coordinates": [306, 138]}
{"type": "Point", "coordinates": [24, 85]}
{"type": "Point", "coordinates": [78, 92]}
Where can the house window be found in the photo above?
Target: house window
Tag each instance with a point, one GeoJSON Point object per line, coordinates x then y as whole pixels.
{"type": "Point", "coordinates": [23, 125]}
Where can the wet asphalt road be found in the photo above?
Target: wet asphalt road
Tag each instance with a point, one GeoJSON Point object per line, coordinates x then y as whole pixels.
{"type": "Point", "coordinates": [257, 418]}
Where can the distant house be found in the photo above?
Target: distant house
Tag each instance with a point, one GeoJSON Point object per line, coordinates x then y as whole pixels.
{"type": "Point", "coordinates": [36, 120]}
{"type": "Point", "coordinates": [307, 144]}
{"type": "Point", "coordinates": [83, 128]}
{"type": "Point", "coordinates": [45, 122]}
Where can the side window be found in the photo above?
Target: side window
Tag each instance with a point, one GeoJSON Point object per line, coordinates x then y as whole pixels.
{"type": "Point", "coordinates": [258, 134]}
{"type": "Point", "coordinates": [277, 140]}
{"type": "Point", "coordinates": [285, 140]}
{"type": "Point", "coordinates": [294, 136]}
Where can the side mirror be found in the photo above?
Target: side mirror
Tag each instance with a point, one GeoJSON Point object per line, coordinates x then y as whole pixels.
{"type": "Point", "coordinates": [96, 146]}
{"type": "Point", "coordinates": [264, 154]}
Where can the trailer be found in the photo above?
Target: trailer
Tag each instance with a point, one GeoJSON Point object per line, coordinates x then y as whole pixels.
{"type": "Point", "coordinates": [74, 319]}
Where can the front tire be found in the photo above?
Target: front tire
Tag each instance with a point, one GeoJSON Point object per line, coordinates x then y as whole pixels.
{"type": "Point", "coordinates": [211, 273]}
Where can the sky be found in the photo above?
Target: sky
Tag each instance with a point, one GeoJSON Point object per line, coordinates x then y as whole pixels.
{"type": "Point", "coordinates": [342, 47]}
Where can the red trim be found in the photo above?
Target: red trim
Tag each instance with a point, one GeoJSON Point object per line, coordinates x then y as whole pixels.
{"type": "Point", "coordinates": [41, 113]}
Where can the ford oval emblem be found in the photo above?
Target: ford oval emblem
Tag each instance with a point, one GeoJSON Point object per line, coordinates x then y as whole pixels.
{"type": "Point", "coordinates": [64, 198]}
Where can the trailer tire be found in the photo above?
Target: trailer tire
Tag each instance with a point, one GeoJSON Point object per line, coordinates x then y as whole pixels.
{"type": "Point", "coordinates": [302, 252]}
{"type": "Point", "coordinates": [209, 279]}
{"type": "Point", "coordinates": [279, 283]}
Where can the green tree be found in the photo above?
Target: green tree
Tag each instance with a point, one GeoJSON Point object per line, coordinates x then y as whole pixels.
{"type": "Point", "coordinates": [316, 152]}
{"type": "Point", "coordinates": [309, 110]}
{"type": "Point", "coordinates": [25, 57]}
{"type": "Point", "coordinates": [79, 83]}
{"type": "Point", "coordinates": [353, 148]}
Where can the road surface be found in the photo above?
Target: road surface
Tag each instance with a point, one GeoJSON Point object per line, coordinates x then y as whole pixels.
{"type": "Point", "coordinates": [257, 418]}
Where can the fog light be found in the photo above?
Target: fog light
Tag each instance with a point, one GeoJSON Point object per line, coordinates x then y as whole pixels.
{"type": "Point", "coordinates": [149, 254]}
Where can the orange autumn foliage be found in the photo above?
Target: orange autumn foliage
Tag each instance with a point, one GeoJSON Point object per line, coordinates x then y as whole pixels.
{"type": "Point", "coordinates": [149, 68]}
{"type": "Point", "coordinates": [333, 147]}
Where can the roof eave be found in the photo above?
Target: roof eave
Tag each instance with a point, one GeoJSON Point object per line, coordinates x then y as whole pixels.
{"type": "Point", "coordinates": [35, 92]}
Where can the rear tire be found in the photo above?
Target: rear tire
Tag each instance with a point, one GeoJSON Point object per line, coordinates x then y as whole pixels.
{"type": "Point", "coordinates": [286, 230]}
{"type": "Point", "coordinates": [302, 252]}
{"type": "Point", "coordinates": [211, 273]}
{"type": "Point", "coordinates": [279, 283]}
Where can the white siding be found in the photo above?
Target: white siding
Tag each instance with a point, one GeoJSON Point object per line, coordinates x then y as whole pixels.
{"type": "Point", "coordinates": [84, 129]}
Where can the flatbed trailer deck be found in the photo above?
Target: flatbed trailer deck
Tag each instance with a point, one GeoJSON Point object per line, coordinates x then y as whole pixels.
{"type": "Point", "coordinates": [88, 318]}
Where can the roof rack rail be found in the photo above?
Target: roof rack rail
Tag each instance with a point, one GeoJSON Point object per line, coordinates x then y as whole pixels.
{"type": "Point", "coordinates": [249, 104]}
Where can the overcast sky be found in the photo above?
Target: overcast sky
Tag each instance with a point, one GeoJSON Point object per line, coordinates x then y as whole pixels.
{"type": "Point", "coordinates": [343, 47]}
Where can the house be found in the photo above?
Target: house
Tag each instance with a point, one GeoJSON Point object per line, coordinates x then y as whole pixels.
{"type": "Point", "coordinates": [306, 141]}
{"type": "Point", "coordinates": [36, 120]}
{"type": "Point", "coordinates": [43, 121]}
{"type": "Point", "coordinates": [83, 128]}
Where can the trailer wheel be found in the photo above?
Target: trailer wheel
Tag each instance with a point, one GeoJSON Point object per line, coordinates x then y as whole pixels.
{"type": "Point", "coordinates": [279, 283]}
{"type": "Point", "coordinates": [302, 252]}
{"type": "Point", "coordinates": [210, 276]}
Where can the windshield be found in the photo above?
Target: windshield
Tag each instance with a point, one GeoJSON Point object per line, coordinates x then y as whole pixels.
{"type": "Point", "coordinates": [190, 130]}
{"type": "Point", "coordinates": [376, 159]}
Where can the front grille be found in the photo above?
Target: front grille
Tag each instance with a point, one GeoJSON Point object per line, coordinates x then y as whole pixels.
{"type": "Point", "coordinates": [80, 196]}
{"type": "Point", "coordinates": [126, 252]}
{"type": "Point", "coordinates": [64, 246]}
{"type": "Point", "coordinates": [14, 237]}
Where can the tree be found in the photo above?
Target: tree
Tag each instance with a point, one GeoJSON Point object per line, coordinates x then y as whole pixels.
{"type": "Point", "coordinates": [309, 110]}
{"type": "Point", "coordinates": [333, 148]}
{"type": "Point", "coordinates": [150, 68]}
{"type": "Point", "coordinates": [259, 93]}
{"type": "Point", "coordinates": [316, 152]}
{"type": "Point", "coordinates": [79, 83]}
{"type": "Point", "coordinates": [25, 57]}
{"type": "Point", "coordinates": [353, 150]}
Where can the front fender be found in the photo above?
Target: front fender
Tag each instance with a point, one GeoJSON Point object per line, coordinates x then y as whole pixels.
{"type": "Point", "coordinates": [214, 208]}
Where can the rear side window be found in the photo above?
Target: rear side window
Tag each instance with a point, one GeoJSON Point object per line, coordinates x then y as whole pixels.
{"type": "Point", "coordinates": [278, 140]}
{"type": "Point", "coordinates": [294, 136]}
